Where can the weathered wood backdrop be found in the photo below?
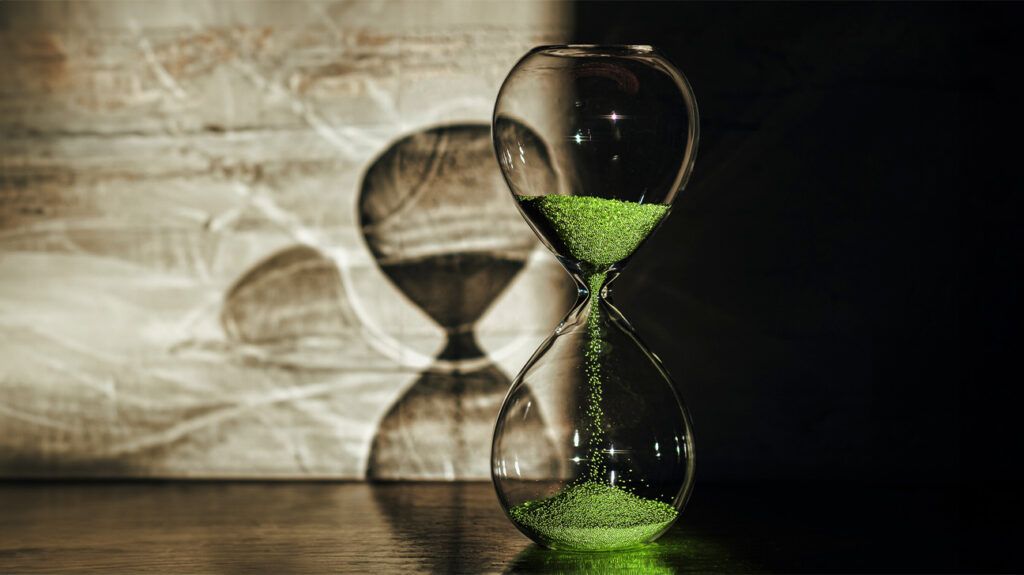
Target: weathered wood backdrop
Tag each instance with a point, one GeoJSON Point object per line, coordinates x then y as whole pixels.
{"type": "Point", "coordinates": [186, 288]}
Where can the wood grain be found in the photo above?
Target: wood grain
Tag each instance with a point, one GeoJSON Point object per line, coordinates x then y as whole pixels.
{"type": "Point", "coordinates": [313, 527]}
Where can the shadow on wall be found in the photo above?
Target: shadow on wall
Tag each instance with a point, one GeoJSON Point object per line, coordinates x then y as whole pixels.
{"type": "Point", "coordinates": [436, 215]}
{"type": "Point", "coordinates": [293, 293]}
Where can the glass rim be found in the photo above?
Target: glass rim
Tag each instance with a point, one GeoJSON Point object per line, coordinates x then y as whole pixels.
{"type": "Point", "coordinates": [595, 49]}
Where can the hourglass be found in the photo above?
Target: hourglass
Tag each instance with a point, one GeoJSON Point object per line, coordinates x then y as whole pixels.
{"type": "Point", "coordinates": [619, 125]}
{"type": "Point", "coordinates": [434, 215]}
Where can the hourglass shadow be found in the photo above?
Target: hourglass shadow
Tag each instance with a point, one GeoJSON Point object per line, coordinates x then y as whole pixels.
{"type": "Point", "coordinates": [296, 292]}
{"type": "Point", "coordinates": [437, 217]}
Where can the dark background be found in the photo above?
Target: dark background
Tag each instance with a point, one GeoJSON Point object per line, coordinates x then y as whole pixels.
{"type": "Point", "coordinates": [805, 289]}
{"type": "Point", "coordinates": [833, 290]}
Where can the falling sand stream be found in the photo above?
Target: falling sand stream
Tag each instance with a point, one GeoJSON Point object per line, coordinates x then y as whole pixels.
{"type": "Point", "coordinates": [592, 513]}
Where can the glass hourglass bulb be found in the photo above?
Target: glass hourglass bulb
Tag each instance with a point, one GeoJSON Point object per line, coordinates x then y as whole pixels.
{"type": "Point", "coordinates": [594, 142]}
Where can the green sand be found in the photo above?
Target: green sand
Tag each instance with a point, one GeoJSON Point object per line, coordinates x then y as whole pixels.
{"type": "Point", "coordinates": [592, 515]}
{"type": "Point", "coordinates": [596, 231]}
{"type": "Point", "coordinates": [592, 368]}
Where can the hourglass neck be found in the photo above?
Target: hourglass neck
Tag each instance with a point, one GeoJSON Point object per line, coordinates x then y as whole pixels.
{"type": "Point", "coordinates": [594, 284]}
{"type": "Point", "coordinates": [593, 303]}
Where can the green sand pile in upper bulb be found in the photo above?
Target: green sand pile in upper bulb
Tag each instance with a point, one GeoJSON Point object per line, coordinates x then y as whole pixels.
{"type": "Point", "coordinates": [597, 231]}
{"type": "Point", "coordinates": [593, 517]}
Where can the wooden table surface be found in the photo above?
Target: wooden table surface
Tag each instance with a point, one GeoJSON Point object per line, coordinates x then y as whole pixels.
{"type": "Point", "coordinates": [312, 527]}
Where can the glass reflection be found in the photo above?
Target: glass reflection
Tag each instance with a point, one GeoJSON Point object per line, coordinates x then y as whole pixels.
{"type": "Point", "coordinates": [650, 560]}
{"type": "Point", "coordinates": [676, 552]}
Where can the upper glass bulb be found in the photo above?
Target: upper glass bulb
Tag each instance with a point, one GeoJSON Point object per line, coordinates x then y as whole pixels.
{"type": "Point", "coordinates": [608, 122]}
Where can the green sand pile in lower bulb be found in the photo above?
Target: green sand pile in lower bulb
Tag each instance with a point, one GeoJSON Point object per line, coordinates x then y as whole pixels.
{"type": "Point", "coordinates": [592, 515]}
